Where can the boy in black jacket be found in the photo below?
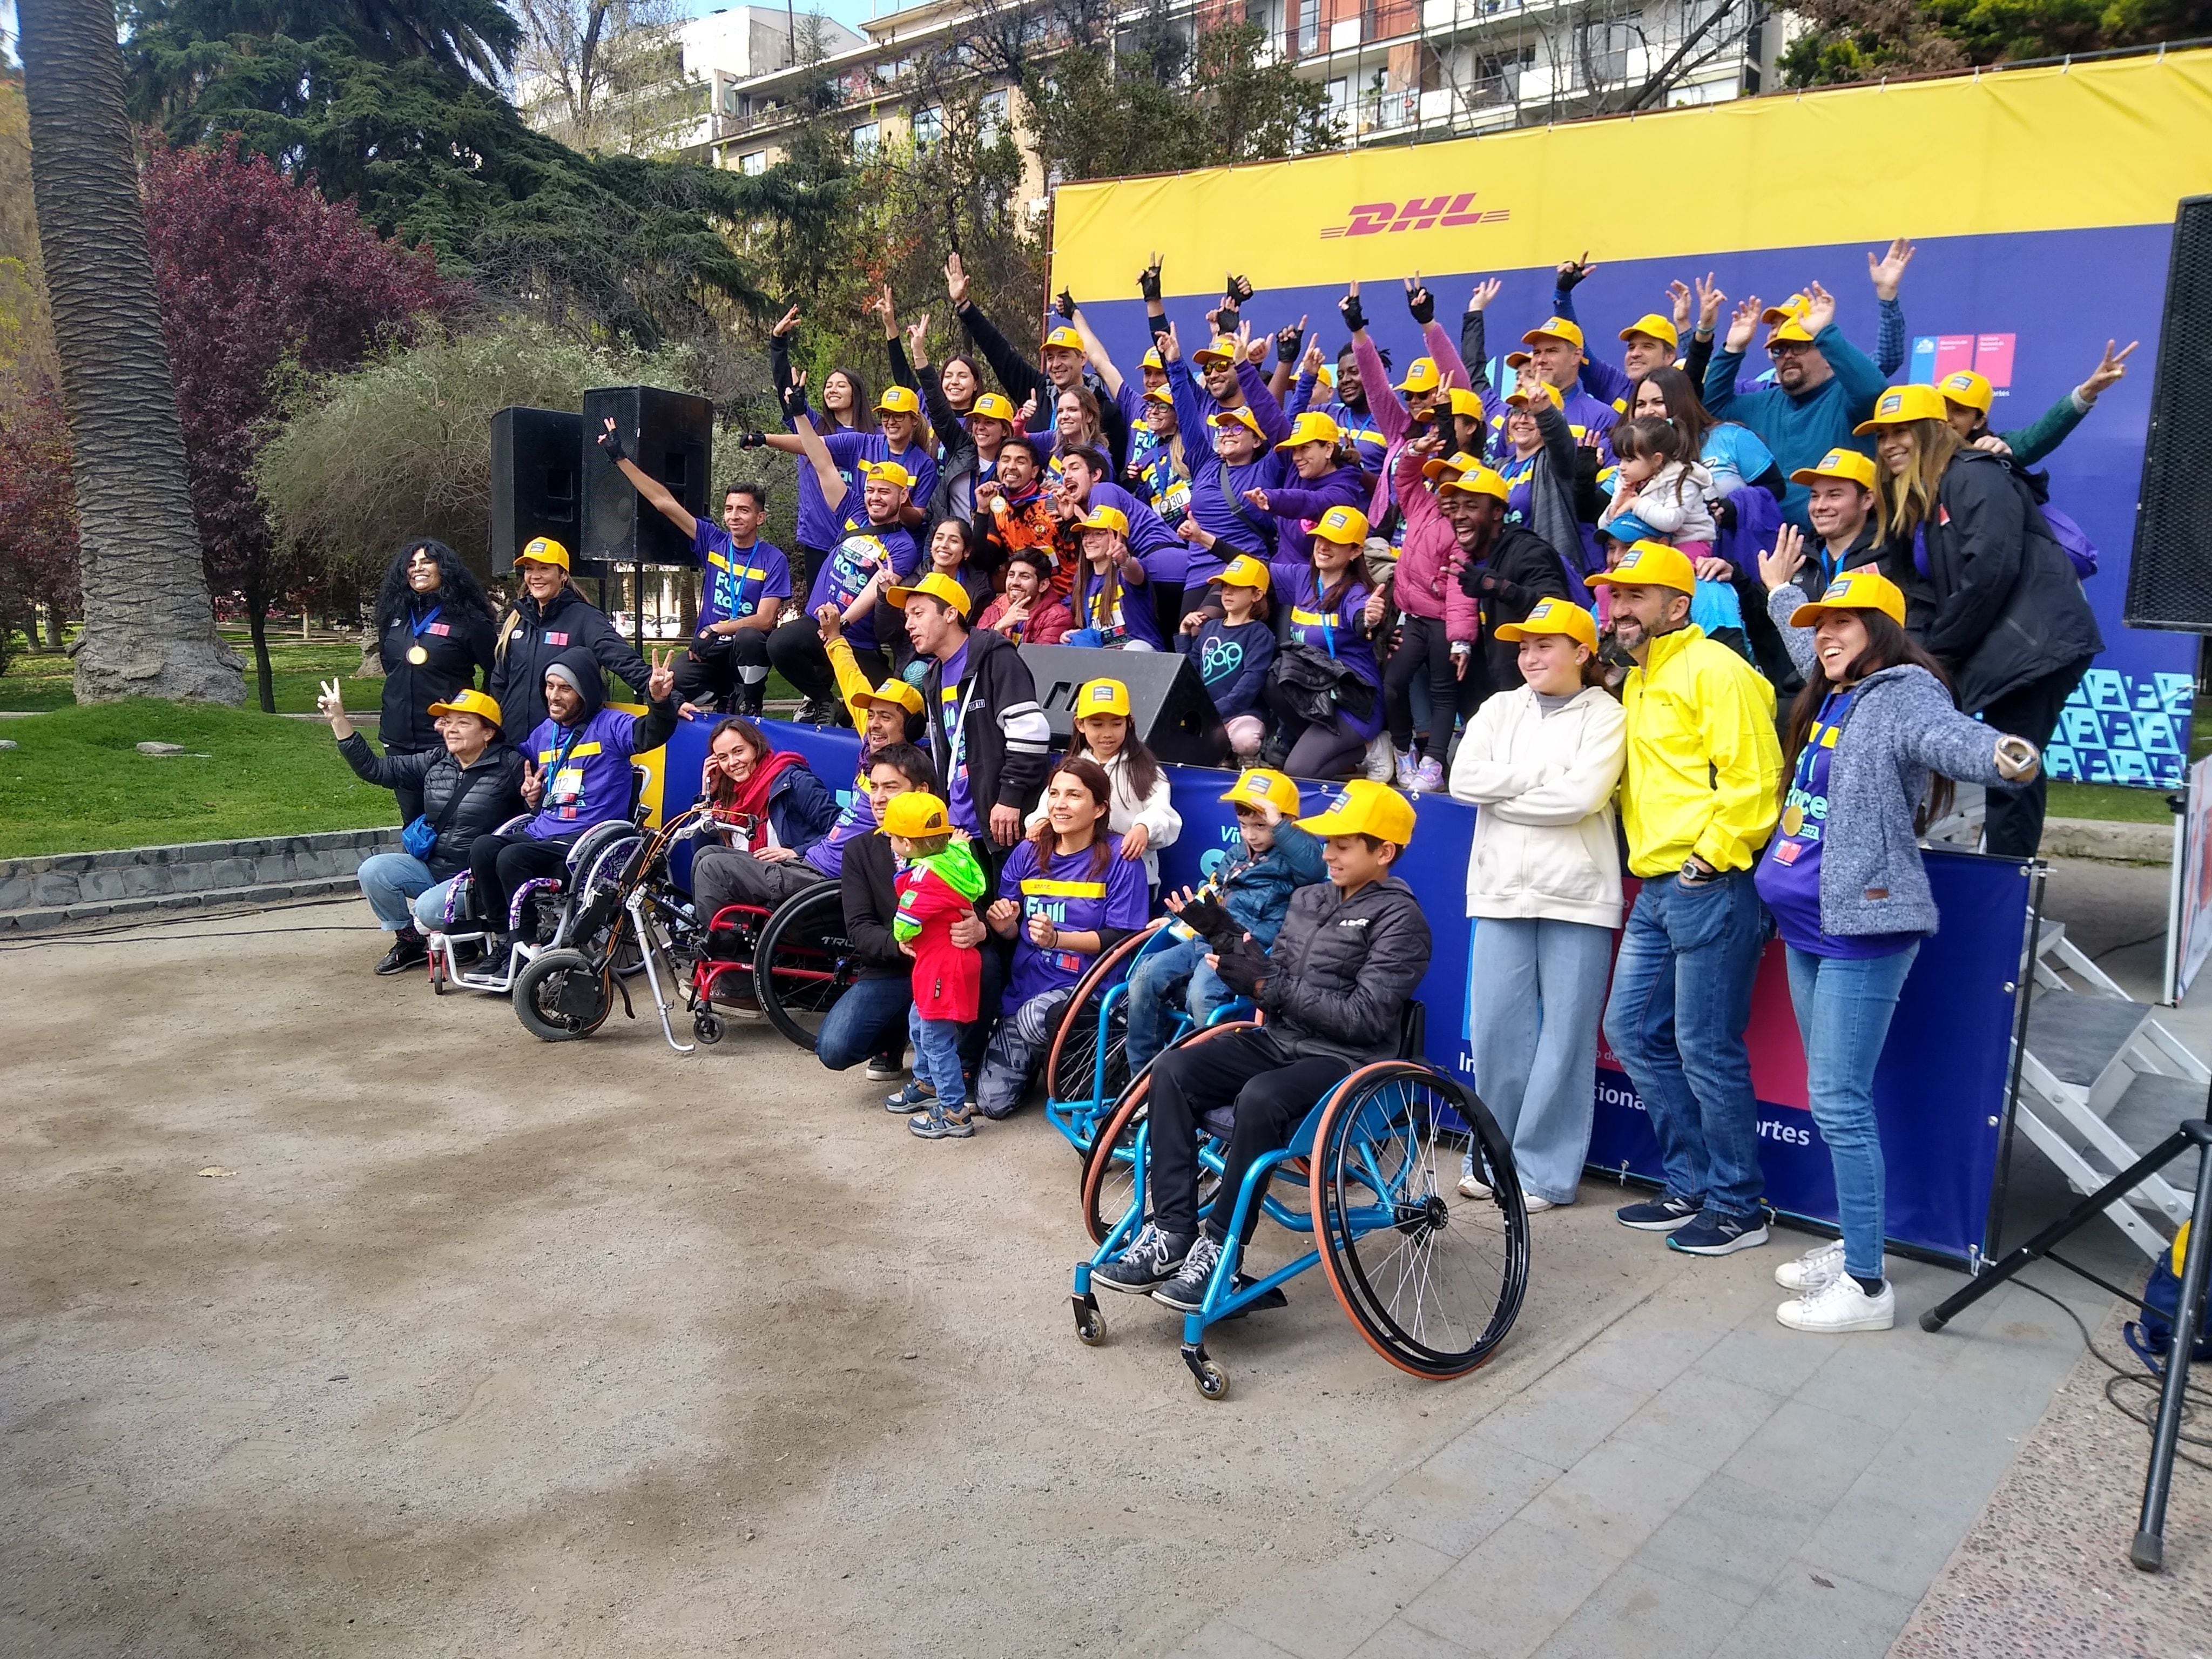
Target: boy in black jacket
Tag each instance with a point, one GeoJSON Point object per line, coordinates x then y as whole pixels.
{"type": "Point", "coordinates": [1335, 987]}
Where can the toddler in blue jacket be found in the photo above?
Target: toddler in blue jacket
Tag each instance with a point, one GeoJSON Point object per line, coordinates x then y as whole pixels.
{"type": "Point", "coordinates": [1233, 653]}
{"type": "Point", "coordinates": [1279, 859]}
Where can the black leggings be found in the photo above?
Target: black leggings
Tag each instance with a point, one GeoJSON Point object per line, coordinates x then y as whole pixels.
{"type": "Point", "coordinates": [717, 676]}
{"type": "Point", "coordinates": [795, 649]}
{"type": "Point", "coordinates": [2012, 824]}
{"type": "Point", "coordinates": [1316, 752]}
{"type": "Point", "coordinates": [500, 864]}
{"type": "Point", "coordinates": [1271, 1097]}
{"type": "Point", "coordinates": [1421, 639]}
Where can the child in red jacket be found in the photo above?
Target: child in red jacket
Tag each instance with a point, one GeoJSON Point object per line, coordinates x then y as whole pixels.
{"type": "Point", "coordinates": [939, 883]}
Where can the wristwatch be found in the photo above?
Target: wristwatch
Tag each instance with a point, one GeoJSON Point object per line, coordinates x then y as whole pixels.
{"type": "Point", "coordinates": [1696, 869]}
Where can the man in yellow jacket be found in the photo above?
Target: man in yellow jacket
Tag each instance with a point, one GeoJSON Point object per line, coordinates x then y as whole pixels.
{"type": "Point", "coordinates": [1700, 797]}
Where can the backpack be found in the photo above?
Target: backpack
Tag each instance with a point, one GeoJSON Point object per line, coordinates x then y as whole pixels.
{"type": "Point", "coordinates": [2152, 1336]}
{"type": "Point", "coordinates": [2068, 534]}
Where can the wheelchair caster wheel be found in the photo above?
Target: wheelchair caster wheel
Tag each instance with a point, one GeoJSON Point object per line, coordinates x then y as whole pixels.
{"type": "Point", "coordinates": [1210, 1381]}
{"type": "Point", "coordinates": [1090, 1323]}
{"type": "Point", "coordinates": [707, 1026]}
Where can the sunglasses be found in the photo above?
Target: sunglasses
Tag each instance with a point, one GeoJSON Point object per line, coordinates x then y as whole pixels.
{"type": "Point", "coordinates": [1787, 349]}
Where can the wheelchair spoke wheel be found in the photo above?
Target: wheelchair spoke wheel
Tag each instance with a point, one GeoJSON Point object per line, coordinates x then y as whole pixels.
{"type": "Point", "coordinates": [803, 963]}
{"type": "Point", "coordinates": [1071, 1068]}
{"type": "Point", "coordinates": [1433, 1279]}
{"type": "Point", "coordinates": [1110, 1170]}
{"type": "Point", "coordinates": [562, 995]}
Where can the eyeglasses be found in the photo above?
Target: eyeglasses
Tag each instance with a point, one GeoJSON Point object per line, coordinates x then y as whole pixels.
{"type": "Point", "coordinates": [1788, 348]}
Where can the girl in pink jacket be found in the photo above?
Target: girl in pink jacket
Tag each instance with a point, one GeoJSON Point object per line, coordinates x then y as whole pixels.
{"type": "Point", "coordinates": [1437, 621]}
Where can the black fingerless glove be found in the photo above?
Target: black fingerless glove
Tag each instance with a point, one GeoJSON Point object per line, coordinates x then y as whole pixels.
{"type": "Point", "coordinates": [1288, 343]}
{"type": "Point", "coordinates": [1236, 293]}
{"type": "Point", "coordinates": [1243, 968]}
{"type": "Point", "coordinates": [610, 441]}
{"type": "Point", "coordinates": [1148, 282]}
{"type": "Point", "coordinates": [1204, 916]}
{"type": "Point", "coordinates": [1064, 303]}
{"type": "Point", "coordinates": [1423, 304]}
{"type": "Point", "coordinates": [794, 400]}
{"type": "Point", "coordinates": [752, 440]}
{"type": "Point", "coordinates": [1569, 276]}
{"type": "Point", "coordinates": [1348, 308]}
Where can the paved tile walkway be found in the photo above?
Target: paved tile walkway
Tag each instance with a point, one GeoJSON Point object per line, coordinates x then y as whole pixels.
{"type": "Point", "coordinates": [1699, 1480]}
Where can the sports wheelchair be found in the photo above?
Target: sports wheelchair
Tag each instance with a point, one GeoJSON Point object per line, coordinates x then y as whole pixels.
{"type": "Point", "coordinates": [791, 964]}
{"type": "Point", "coordinates": [1087, 1067]}
{"type": "Point", "coordinates": [1432, 1279]}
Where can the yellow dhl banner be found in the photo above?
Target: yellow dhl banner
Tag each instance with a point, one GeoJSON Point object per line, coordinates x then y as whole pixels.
{"type": "Point", "coordinates": [2118, 143]}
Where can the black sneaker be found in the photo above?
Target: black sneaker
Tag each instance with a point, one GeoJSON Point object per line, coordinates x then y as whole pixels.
{"type": "Point", "coordinates": [1186, 1292]}
{"type": "Point", "coordinates": [1271, 1298]}
{"type": "Point", "coordinates": [407, 950]}
{"type": "Point", "coordinates": [1714, 1234]}
{"type": "Point", "coordinates": [1661, 1214]}
{"type": "Point", "coordinates": [817, 711]}
{"type": "Point", "coordinates": [1151, 1261]}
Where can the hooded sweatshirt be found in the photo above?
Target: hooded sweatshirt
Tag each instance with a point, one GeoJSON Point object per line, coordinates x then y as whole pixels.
{"type": "Point", "coordinates": [585, 763]}
{"type": "Point", "coordinates": [934, 891]}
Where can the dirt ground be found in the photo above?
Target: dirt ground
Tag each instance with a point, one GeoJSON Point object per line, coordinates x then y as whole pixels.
{"type": "Point", "coordinates": [486, 1347]}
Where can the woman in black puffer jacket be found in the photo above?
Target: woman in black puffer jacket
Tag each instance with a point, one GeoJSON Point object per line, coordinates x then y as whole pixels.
{"type": "Point", "coordinates": [1989, 592]}
{"type": "Point", "coordinates": [468, 786]}
{"type": "Point", "coordinates": [435, 635]}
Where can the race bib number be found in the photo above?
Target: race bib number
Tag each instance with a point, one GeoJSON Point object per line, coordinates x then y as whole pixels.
{"type": "Point", "coordinates": [568, 784]}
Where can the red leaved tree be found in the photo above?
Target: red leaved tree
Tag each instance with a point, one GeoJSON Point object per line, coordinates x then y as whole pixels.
{"type": "Point", "coordinates": [261, 279]}
{"type": "Point", "coordinates": [38, 508]}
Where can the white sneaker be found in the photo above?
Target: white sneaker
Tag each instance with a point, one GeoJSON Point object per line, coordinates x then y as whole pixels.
{"type": "Point", "coordinates": [1840, 1306]}
{"type": "Point", "coordinates": [1821, 1265]}
{"type": "Point", "coordinates": [1407, 769]}
{"type": "Point", "coordinates": [1532, 1202]}
{"type": "Point", "coordinates": [1470, 1187]}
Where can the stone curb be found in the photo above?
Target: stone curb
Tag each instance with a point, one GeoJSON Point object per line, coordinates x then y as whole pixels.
{"type": "Point", "coordinates": [57, 888]}
{"type": "Point", "coordinates": [2096, 838]}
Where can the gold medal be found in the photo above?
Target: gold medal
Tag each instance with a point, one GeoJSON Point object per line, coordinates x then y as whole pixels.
{"type": "Point", "coordinates": [1793, 819]}
{"type": "Point", "coordinates": [417, 655]}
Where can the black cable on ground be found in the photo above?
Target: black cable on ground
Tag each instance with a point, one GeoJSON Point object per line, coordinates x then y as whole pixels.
{"type": "Point", "coordinates": [2195, 1399]}
{"type": "Point", "coordinates": [131, 932]}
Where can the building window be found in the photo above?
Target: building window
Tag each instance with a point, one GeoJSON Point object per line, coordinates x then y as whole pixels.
{"type": "Point", "coordinates": [868, 138]}
{"type": "Point", "coordinates": [753, 163]}
{"type": "Point", "coordinates": [928, 128]}
{"type": "Point", "coordinates": [991, 116]}
{"type": "Point", "coordinates": [1605, 49]}
{"type": "Point", "coordinates": [1308, 26]}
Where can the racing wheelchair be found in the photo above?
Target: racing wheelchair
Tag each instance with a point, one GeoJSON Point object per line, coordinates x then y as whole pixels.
{"type": "Point", "coordinates": [1431, 1278]}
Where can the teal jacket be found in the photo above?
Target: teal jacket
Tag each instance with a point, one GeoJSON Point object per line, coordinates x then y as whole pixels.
{"type": "Point", "coordinates": [1801, 429]}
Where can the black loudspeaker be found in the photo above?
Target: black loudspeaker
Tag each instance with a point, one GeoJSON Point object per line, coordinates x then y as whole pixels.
{"type": "Point", "coordinates": [1169, 705]}
{"type": "Point", "coordinates": [670, 436]}
{"type": "Point", "coordinates": [2170, 577]}
{"type": "Point", "coordinates": [534, 455]}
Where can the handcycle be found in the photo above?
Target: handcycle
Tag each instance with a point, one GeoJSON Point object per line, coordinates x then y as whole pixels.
{"type": "Point", "coordinates": [1431, 1278]}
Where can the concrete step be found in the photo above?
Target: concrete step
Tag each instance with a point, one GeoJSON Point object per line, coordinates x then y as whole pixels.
{"type": "Point", "coordinates": [43, 919]}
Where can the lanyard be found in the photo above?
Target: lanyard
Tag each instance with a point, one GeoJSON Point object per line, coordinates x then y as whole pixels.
{"type": "Point", "coordinates": [956, 739]}
{"type": "Point", "coordinates": [561, 755]}
{"type": "Point", "coordinates": [419, 626]}
{"type": "Point", "coordinates": [741, 562]}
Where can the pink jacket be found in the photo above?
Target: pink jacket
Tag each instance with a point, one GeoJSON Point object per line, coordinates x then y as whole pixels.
{"type": "Point", "coordinates": [1426, 583]}
{"type": "Point", "coordinates": [1390, 415]}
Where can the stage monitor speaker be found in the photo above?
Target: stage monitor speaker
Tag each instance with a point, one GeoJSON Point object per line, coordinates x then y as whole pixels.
{"type": "Point", "coordinates": [534, 456]}
{"type": "Point", "coordinates": [1169, 705]}
{"type": "Point", "coordinates": [670, 436]}
{"type": "Point", "coordinates": [2170, 577]}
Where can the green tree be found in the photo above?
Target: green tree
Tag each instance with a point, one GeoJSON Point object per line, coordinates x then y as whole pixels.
{"type": "Point", "coordinates": [1861, 39]}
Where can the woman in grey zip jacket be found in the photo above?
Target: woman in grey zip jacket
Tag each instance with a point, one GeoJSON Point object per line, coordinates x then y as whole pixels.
{"type": "Point", "coordinates": [1844, 879]}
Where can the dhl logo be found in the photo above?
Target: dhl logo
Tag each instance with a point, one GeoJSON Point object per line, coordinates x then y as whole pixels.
{"type": "Point", "coordinates": [1417, 213]}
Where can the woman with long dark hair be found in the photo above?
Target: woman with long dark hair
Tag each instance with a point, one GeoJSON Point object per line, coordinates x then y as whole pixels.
{"type": "Point", "coordinates": [1066, 895]}
{"type": "Point", "coordinates": [434, 632]}
{"type": "Point", "coordinates": [1874, 727]}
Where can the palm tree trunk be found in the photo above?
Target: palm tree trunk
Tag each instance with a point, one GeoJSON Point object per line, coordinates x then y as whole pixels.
{"type": "Point", "coordinates": [149, 626]}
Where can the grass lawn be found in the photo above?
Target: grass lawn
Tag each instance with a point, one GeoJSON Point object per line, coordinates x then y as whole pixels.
{"type": "Point", "coordinates": [40, 681]}
{"type": "Point", "coordinates": [77, 783]}
{"type": "Point", "coordinates": [2108, 802]}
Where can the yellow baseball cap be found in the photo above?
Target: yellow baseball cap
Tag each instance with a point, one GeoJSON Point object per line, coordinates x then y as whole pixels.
{"type": "Point", "coordinates": [937, 586]}
{"type": "Point", "coordinates": [916, 814]}
{"type": "Point", "coordinates": [1968, 388]}
{"type": "Point", "coordinates": [1862, 589]}
{"type": "Point", "coordinates": [1159, 394]}
{"type": "Point", "coordinates": [1649, 564]}
{"type": "Point", "coordinates": [893, 694]}
{"type": "Point", "coordinates": [1100, 697]}
{"type": "Point", "coordinates": [889, 472]}
{"type": "Point", "coordinates": [1312, 428]}
{"type": "Point", "coordinates": [481, 704]}
{"type": "Point", "coordinates": [1365, 808]}
{"type": "Point", "coordinates": [542, 550]}
{"type": "Point", "coordinates": [1105, 518]}
{"type": "Point", "coordinates": [1555, 328]}
{"type": "Point", "coordinates": [1259, 785]}
{"type": "Point", "coordinates": [1519, 399]}
{"type": "Point", "coordinates": [1347, 526]}
{"type": "Point", "coordinates": [1900, 404]}
{"type": "Point", "coordinates": [899, 400]}
{"type": "Point", "coordinates": [1791, 328]}
{"type": "Point", "coordinates": [1795, 305]}
{"type": "Point", "coordinates": [1243, 417]}
{"type": "Point", "coordinates": [1063, 336]}
{"type": "Point", "coordinates": [1659, 328]}
{"type": "Point", "coordinates": [1846, 464]}
{"type": "Point", "coordinates": [1515, 359]}
{"type": "Point", "coordinates": [992, 407]}
{"type": "Point", "coordinates": [1458, 461]}
{"type": "Point", "coordinates": [1551, 616]}
{"type": "Point", "coordinates": [1421, 375]}
{"type": "Point", "coordinates": [1220, 349]}
{"type": "Point", "coordinates": [1478, 480]}
{"type": "Point", "coordinates": [1152, 360]}
{"type": "Point", "coordinates": [1245, 571]}
{"type": "Point", "coordinates": [1457, 400]}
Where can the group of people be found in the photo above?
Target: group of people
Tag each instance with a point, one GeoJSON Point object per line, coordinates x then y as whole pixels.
{"type": "Point", "coordinates": [1578, 606]}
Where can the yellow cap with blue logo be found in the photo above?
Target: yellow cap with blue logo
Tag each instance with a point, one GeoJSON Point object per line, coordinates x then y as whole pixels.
{"type": "Point", "coordinates": [1862, 589]}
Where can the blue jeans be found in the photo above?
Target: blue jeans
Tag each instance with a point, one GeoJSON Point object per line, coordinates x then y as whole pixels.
{"type": "Point", "coordinates": [1153, 996]}
{"type": "Point", "coordinates": [937, 1057]}
{"type": "Point", "coordinates": [391, 882]}
{"type": "Point", "coordinates": [1844, 1005]}
{"type": "Point", "coordinates": [1539, 987]}
{"type": "Point", "coordinates": [872, 1018]}
{"type": "Point", "coordinates": [1681, 998]}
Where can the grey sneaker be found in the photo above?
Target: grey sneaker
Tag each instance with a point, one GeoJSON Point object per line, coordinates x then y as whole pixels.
{"type": "Point", "coordinates": [913, 1098]}
{"type": "Point", "coordinates": [887, 1067]}
{"type": "Point", "coordinates": [1150, 1260]}
{"type": "Point", "coordinates": [1186, 1292]}
{"type": "Point", "coordinates": [942, 1123]}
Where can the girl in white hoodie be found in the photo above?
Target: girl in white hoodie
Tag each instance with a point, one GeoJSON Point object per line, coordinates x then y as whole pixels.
{"type": "Point", "coordinates": [1142, 815]}
{"type": "Point", "coordinates": [1540, 763]}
